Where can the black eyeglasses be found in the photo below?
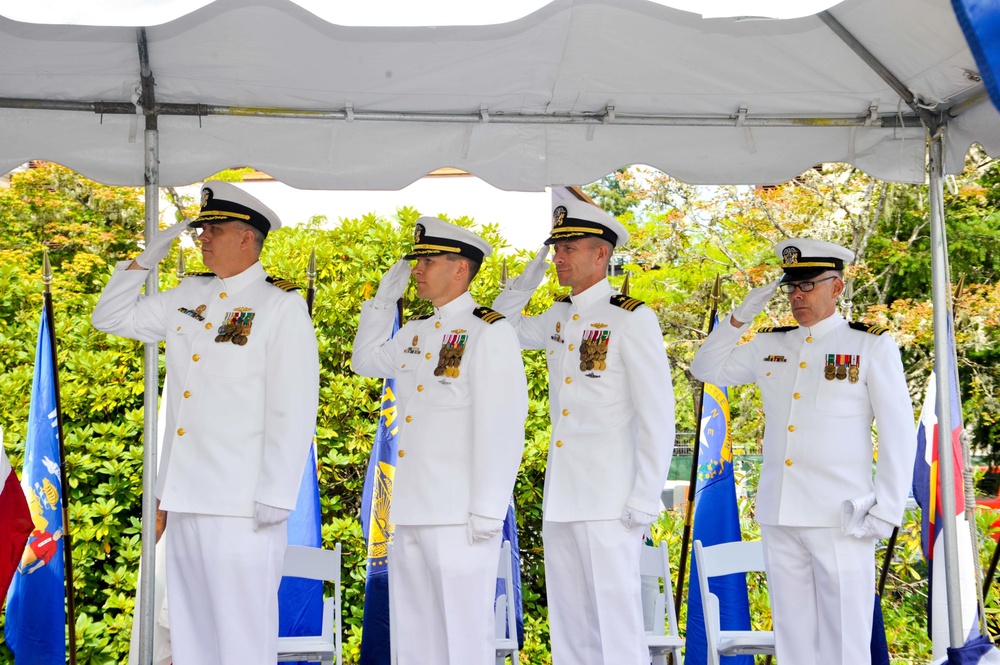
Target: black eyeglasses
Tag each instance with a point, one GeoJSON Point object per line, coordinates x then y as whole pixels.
{"type": "Point", "coordinates": [805, 287]}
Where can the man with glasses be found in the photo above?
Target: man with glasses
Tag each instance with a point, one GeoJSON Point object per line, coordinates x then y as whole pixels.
{"type": "Point", "coordinates": [241, 411]}
{"type": "Point", "coordinates": [819, 506]}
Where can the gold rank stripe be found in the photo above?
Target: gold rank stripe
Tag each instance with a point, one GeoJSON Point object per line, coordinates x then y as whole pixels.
{"type": "Point", "coordinates": [626, 303]}
{"type": "Point", "coordinates": [488, 315]}
{"type": "Point", "coordinates": [283, 284]}
{"type": "Point", "coordinates": [562, 299]}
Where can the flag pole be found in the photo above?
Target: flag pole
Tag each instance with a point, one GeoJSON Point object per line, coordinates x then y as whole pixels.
{"type": "Point", "coordinates": [311, 274]}
{"type": "Point", "coordinates": [692, 485]}
{"type": "Point", "coordinates": [64, 494]}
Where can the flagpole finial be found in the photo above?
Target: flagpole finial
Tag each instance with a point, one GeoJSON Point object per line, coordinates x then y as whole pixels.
{"type": "Point", "coordinates": [46, 270]}
{"type": "Point", "coordinates": [503, 274]}
{"type": "Point", "coordinates": [311, 270]}
{"type": "Point", "coordinates": [181, 269]}
{"type": "Point", "coordinates": [625, 285]}
{"type": "Point", "coordinates": [959, 290]}
{"type": "Point", "coordinates": [716, 291]}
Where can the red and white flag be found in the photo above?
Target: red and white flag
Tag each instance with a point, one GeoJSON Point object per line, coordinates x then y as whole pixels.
{"type": "Point", "coordinates": [15, 522]}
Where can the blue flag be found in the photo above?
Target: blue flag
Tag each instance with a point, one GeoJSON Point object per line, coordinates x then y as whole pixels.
{"type": "Point", "coordinates": [716, 520]}
{"type": "Point", "coordinates": [375, 501]}
{"type": "Point", "coordinates": [510, 534]}
{"type": "Point", "coordinates": [300, 601]}
{"type": "Point", "coordinates": [35, 628]}
{"type": "Point", "coordinates": [980, 21]}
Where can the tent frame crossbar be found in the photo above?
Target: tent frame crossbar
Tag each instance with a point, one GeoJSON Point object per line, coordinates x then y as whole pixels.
{"type": "Point", "coordinates": [606, 117]}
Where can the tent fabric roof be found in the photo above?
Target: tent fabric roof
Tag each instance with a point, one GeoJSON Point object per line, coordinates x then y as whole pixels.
{"type": "Point", "coordinates": [522, 105]}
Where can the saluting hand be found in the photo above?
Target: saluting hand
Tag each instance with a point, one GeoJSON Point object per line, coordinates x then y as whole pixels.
{"type": "Point", "coordinates": [393, 283]}
{"type": "Point", "coordinates": [158, 246]}
{"type": "Point", "coordinates": [754, 303]}
{"type": "Point", "coordinates": [533, 273]}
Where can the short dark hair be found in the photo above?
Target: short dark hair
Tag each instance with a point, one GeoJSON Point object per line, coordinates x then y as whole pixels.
{"type": "Point", "coordinates": [258, 235]}
{"type": "Point", "coordinates": [474, 265]}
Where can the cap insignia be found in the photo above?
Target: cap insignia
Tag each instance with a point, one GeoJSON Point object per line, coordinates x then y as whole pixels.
{"type": "Point", "coordinates": [791, 255]}
{"type": "Point", "coordinates": [206, 196]}
{"type": "Point", "coordinates": [558, 216]}
{"type": "Point", "coordinates": [418, 233]}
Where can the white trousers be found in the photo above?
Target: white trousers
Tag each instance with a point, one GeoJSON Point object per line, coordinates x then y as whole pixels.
{"type": "Point", "coordinates": [222, 581]}
{"type": "Point", "coordinates": [443, 589]}
{"type": "Point", "coordinates": [594, 593]}
{"type": "Point", "coordinates": [822, 588]}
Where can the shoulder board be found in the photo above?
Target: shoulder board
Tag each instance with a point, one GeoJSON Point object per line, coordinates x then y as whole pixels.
{"type": "Point", "coordinates": [421, 318]}
{"type": "Point", "coordinates": [782, 329]}
{"type": "Point", "coordinates": [626, 303]}
{"type": "Point", "coordinates": [869, 328]}
{"type": "Point", "coordinates": [487, 314]}
{"type": "Point", "coordinates": [199, 274]}
{"type": "Point", "coordinates": [565, 299]}
{"type": "Point", "coordinates": [283, 284]}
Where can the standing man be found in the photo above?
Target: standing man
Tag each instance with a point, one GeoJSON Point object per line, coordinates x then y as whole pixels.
{"type": "Point", "coordinates": [241, 412]}
{"type": "Point", "coordinates": [462, 398]}
{"type": "Point", "coordinates": [611, 403]}
{"type": "Point", "coordinates": [822, 382]}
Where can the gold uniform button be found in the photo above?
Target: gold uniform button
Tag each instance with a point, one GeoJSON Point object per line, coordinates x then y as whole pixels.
{"type": "Point", "coordinates": [420, 388]}
{"type": "Point", "coordinates": [809, 339]}
{"type": "Point", "coordinates": [409, 419]}
{"type": "Point", "coordinates": [565, 412]}
{"type": "Point", "coordinates": [178, 328]}
{"type": "Point", "coordinates": [791, 428]}
{"type": "Point", "coordinates": [196, 357]}
{"type": "Point", "coordinates": [428, 356]}
{"type": "Point", "coordinates": [437, 324]}
{"type": "Point", "coordinates": [180, 432]}
{"type": "Point", "coordinates": [558, 444]}
{"type": "Point", "coordinates": [576, 317]}
{"type": "Point", "coordinates": [208, 326]}
{"type": "Point", "coordinates": [796, 395]}
{"type": "Point", "coordinates": [802, 364]}
{"type": "Point", "coordinates": [768, 374]}
{"type": "Point", "coordinates": [569, 379]}
{"type": "Point", "coordinates": [571, 347]}
{"type": "Point", "coordinates": [788, 462]}
{"type": "Point", "coordinates": [401, 453]}
{"type": "Point", "coordinates": [187, 393]}
{"type": "Point", "coordinates": [223, 295]}
{"type": "Point", "coordinates": [403, 366]}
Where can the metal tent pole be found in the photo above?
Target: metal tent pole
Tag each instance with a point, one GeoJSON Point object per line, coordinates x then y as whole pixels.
{"type": "Point", "coordinates": [151, 366]}
{"type": "Point", "coordinates": [943, 372]}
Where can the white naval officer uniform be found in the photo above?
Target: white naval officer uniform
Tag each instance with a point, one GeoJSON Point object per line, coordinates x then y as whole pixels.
{"type": "Point", "coordinates": [240, 420]}
{"type": "Point", "coordinates": [818, 454]}
{"type": "Point", "coordinates": [612, 441]}
{"type": "Point", "coordinates": [460, 443]}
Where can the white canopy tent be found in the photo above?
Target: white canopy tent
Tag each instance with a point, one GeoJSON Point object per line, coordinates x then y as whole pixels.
{"type": "Point", "coordinates": [562, 96]}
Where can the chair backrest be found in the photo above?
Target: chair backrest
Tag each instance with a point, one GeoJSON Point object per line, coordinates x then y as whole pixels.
{"type": "Point", "coordinates": [654, 564]}
{"type": "Point", "coordinates": [726, 559]}
{"type": "Point", "coordinates": [312, 563]}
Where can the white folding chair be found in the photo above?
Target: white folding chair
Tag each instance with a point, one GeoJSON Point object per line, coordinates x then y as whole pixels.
{"type": "Point", "coordinates": [313, 563]}
{"type": "Point", "coordinates": [504, 613]}
{"type": "Point", "coordinates": [658, 613]}
{"type": "Point", "coordinates": [726, 559]}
